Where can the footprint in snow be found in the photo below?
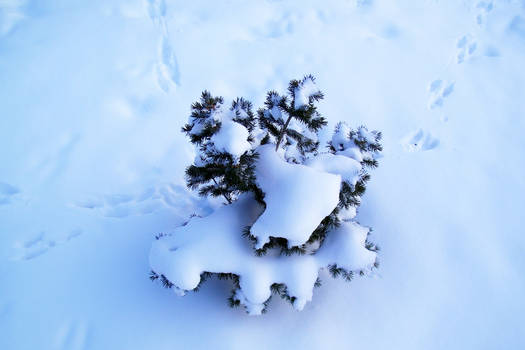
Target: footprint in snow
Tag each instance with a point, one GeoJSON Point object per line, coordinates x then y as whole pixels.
{"type": "Point", "coordinates": [72, 336]}
{"type": "Point", "coordinates": [363, 3]}
{"type": "Point", "coordinates": [419, 140]}
{"type": "Point", "coordinates": [151, 200]}
{"type": "Point", "coordinates": [466, 47]}
{"type": "Point", "coordinates": [7, 192]}
{"type": "Point", "coordinates": [40, 244]}
{"type": "Point", "coordinates": [483, 8]}
{"type": "Point", "coordinates": [167, 67]}
{"type": "Point", "coordinates": [439, 91]}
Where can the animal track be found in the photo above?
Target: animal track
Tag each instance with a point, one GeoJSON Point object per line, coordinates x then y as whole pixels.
{"type": "Point", "coordinates": [439, 91]}
{"type": "Point", "coordinates": [466, 46]}
{"type": "Point", "coordinates": [11, 13]}
{"type": "Point", "coordinates": [7, 192]}
{"type": "Point", "coordinates": [40, 244]}
{"type": "Point", "coordinates": [419, 140]}
{"type": "Point", "coordinates": [483, 7]}
{"type": "Point", "coordinates": [149, 201]}
{"type": "Point", "coordinates": [72, 336]}
{"type": "Point", "coordinates": [517, 26]}
{"type": "Point", "coordinates": [167, 68]}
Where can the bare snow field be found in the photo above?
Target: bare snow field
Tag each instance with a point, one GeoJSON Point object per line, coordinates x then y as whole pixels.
{"type": "Point", "coordinates": [93, 95]}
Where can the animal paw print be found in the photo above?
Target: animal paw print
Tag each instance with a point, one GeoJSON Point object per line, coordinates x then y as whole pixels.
{"type": "Point", "coordinates": [167, 68]}
{"type": "Point", "coordinates": [439, 91]}
{"type": "Point", "coordinates": [419, 140]}
{"type": "Point", "coordinates": [483, 8]}
{"type": "Point", "coordinates": [466, 47]}
{"type": "Point", "coordinates": [7, 192]}
{"type": "Point", "coordinates": [151, 200]}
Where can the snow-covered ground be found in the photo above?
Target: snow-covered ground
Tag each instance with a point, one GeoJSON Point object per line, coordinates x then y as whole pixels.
{"type": "Point", "coordinates": [92, 98]}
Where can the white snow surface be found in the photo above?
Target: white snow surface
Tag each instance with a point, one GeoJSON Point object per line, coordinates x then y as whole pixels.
{"type": "Point", "coordinates": [232, 138]}
{"type": "Point", "coordinates": [92, 100]}
{"type": "Point", "coordinates": [216, 244]}
{"type": "Point", "coordinates": [303, 92]}
{"type": "Point", "coordinates": [297, 198]}
{"type": "Point", "coordinates": [348, 168]}
{"type": "Point", "coordinates": [340, 138]}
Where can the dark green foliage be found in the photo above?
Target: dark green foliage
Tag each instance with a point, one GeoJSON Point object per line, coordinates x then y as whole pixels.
{"type": "Point", "coordinates": [280, 110]}
{"type": "Point", "coordinates": [218, 173]}
{"type": "Point", "coordinates": [165, 282]}
{"type": "Point", "coordinates": [368, 144]}
{"type": "Point", "coordinates": [202, 118]}
{"type": "Point", "coordinates": [244, 114]}
{"type": "Point", "coordinates": [275, 243]}
{"type": "Point", "coordinates": [336, 272]}
{"type": "Point", "coordinates": [204, 277]}
{"type": "Point", "coordinates": [317, 283]}
{"type": "Point", "coordinates": [153, 276]}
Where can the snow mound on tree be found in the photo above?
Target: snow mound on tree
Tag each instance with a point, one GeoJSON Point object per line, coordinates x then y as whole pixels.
{"type": "Point", "coordinates": [348, 168]}
{"type": "Point", "coordinates": [297, 198]}
{"type": "Point", "coordinates": [344, 247]}
{"type": "Point", "coordinates": [232, 137]}
{"type": "Point", "coordinates": [304, 91]}
{"type": "Point", "coordinates": [215, 244]}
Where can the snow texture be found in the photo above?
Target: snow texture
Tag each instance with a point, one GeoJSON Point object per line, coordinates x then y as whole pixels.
{"type": "Point", "coordinates": [232, 137]}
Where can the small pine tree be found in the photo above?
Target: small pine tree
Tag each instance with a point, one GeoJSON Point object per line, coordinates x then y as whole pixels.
{"type": "Point", "coordinates": [225, 165]}
{"type": "Point", "coordinates": [292, 121]}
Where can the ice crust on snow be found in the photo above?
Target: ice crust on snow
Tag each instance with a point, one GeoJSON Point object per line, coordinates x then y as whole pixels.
{"type": "Point", "coordinates": [297, 198]}
{"type": "Point", "coordinates": [216, 244]}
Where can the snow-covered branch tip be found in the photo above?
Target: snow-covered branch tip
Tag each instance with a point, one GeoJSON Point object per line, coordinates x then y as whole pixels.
{"type": "Point", "coordinates": [290, 207]}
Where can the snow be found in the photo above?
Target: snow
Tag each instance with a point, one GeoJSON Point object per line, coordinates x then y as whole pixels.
{"type": "Point", "coordinates": [347, 213]}
{"type": "Point", "coordinates": [344, 146]}
{"type": "Point", "coordinates": [216, 244]}
{"type": "Point", "coordinates": [91, 108]}
{"type": "Point", "coordinates": [292, 191]}
{"type": "Point", "coordinates": [345, 247]}
{"type": "Point", "coordinates": [348, 168]}
{"type": "Point", "coordinates": [232, 138]}
{"type": "Point", "coordinates": [303, 92]}
{"type": "Point", "coordinates": [352, 152]}
{"type": "Point", "coordinates": [340, 138]}
{"type": "Point", "coordinates": [276, 111]}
